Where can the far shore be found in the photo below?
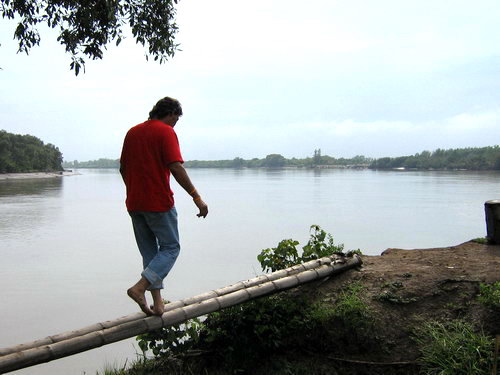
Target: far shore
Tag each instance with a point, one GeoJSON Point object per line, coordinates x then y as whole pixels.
{"type": "Point", "coordinates": [36, 175]}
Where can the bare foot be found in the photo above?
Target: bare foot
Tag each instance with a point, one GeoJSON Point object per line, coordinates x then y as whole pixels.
{"type": "Point", "coordinates": [158, 308]}
{"type": "Point", "coordinates": [140, 299]}
{"type": "Point", "coordinates": [158, 304]}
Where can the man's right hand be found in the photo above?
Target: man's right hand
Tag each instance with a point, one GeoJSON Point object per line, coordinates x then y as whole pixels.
{"type": "Point", "coordinates": [202, 206]}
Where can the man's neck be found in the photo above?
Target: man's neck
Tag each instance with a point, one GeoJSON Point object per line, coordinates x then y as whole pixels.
{"type": "Point", "coordinates": [167, 120]}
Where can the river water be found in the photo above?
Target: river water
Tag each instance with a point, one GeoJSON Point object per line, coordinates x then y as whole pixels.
{"type": "Point", "coordinates": [68, 251]}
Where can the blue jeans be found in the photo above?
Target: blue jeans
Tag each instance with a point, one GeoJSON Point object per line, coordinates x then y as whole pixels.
{"type": "Point", "coordinates": [157, 237]}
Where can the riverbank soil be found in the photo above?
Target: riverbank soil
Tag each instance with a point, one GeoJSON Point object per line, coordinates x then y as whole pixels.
{"type": "Point", "coordinates": [402, 289]}
{"type": "Point", "coordinates": [406, 288]}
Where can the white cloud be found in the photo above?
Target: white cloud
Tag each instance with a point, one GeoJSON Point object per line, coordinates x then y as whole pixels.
{"type": "Point", "coordinates": [474, 122]}
{"type": "Point", "coordinates": [374, 78]}
{"type": "Point", "coordinates": [351, 128]}
{"type": "Point", "coordinates": [344, 138]}
{"type": "Point", "coordinates": [283, 35]}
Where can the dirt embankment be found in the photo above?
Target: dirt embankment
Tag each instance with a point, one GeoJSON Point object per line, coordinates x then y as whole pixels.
{"type": "Point", "coordinates": [399, 292]}
{"type": "Point", "coordinates": [405, 288]}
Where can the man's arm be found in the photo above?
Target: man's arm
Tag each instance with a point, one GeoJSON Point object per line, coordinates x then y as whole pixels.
{"type": "Point", "coordinates": [122, 172]}
{"type": "Point", "coordinates": [181, 176]}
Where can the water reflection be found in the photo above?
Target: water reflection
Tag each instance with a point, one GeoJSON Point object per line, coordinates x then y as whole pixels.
{"type": "Point", "coordinates": [27, 204]}
{"type": "Point", "coordinates": [40, 186]}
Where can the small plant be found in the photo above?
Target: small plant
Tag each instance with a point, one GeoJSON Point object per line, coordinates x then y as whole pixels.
{"type": "Point", "coordinates": [320, 245]}
{"type": "Point", "coordinates": [391, 297]}
{"type": "Point", "coordinates": [454, 348]}
{"type": "Point", "coordinates": [489, 294]}
{"type": "Point", "coordinates": [397, 284]}
{"type": "Point", "coordinates": [173, 339]}
{"type": "Point", "coordinates": [285, 255]}
{"type": "Point", "coordinates": [394, 285]}
{"type": "Point", "coordinates": [351, 253]}
{"type": "Point", "coordinates": [481, 240]}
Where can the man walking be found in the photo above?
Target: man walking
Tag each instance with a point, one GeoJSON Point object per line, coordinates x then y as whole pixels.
{"type": "Point", "coordinates": [149, 156]}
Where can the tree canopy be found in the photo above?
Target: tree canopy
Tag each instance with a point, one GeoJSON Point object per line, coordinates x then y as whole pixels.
{"type": "Point", "coordinates": [26, 153]}
{"type": "Point", "coordinates": [86, 27]}
{"type": "Point", "coordinates": [471, 158]}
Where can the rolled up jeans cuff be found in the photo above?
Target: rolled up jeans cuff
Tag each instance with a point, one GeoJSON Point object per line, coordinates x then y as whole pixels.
{"type": "Point", "coordinates": [153, 278]}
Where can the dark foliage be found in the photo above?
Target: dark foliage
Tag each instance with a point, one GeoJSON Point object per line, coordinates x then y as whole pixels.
{"type": "Point", "coordinates": [87, 27]}
{"type": "Point", "coordinates": [26, 153]}
{"type": "Point", "coordinates": [240, 335]}
{"type": "Point", "coordinates": [483, 158]}
{"type": "Point", "coordinates": [279, 161]}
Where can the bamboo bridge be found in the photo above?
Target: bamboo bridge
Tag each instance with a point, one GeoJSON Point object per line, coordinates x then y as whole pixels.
{"type": "Point", "coordinates": [104, 333]}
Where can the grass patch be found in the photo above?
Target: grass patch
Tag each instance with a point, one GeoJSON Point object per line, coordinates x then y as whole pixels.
{"type": "Point", "coordinates": [489, 294]}
{"type": "Point", "coordinates": [454, 348]}
{"type": "Point", "coordinates": [113, 369]}
{"type": "Point", "coordinates": [350, 308]}
{"type": "Point", "coordinates": [481, 240]}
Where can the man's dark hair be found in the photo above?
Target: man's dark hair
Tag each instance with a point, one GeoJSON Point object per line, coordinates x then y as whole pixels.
{"type": "Point", "coordinates": [166, 107]}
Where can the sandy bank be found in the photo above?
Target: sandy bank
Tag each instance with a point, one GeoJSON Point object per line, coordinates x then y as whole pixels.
{"type": "Point", "coordinates": [35, 175]}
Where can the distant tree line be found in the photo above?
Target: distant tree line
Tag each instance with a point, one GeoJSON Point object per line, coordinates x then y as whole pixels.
{"type": "Point", "coordinates": [270, 161]}
{"type": "Point", "coordinates": [279, 161]}
{"type": "Point", "coordinates": [99, 163]}
{"type": "Point", "coordinates": [26, 153]}
{"type": "Point", "coordinates": [485, 158]}
{"type": "Point", "coordinates": [479, 158]}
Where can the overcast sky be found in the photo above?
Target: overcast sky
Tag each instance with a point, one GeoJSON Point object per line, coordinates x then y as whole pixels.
{"type": "Point", "coordinates": [358, 77]}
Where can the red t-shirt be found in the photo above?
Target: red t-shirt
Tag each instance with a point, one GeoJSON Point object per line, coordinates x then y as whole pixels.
{"type": "Point", "coordinates": [147, 151]}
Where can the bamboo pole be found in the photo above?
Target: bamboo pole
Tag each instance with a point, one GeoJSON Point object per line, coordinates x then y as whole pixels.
{"type": "Point", "coordinates": [171, 306]}
{"type": "Point", "coordinates": [46, 353]}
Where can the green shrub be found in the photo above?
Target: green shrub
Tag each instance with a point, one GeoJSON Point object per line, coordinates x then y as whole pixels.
{"type": "Point", "coordinates": [285, 255]}
{"type": "Point", "coordinates": [243, 334]}
{"type": "Point", "coordinates": [454, 348]}
{"type": "Point", "coordinates": [320, 245]}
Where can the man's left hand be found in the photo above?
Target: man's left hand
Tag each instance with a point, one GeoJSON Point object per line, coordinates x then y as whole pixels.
{"type": "Point", "coordinates": [202, 206]}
